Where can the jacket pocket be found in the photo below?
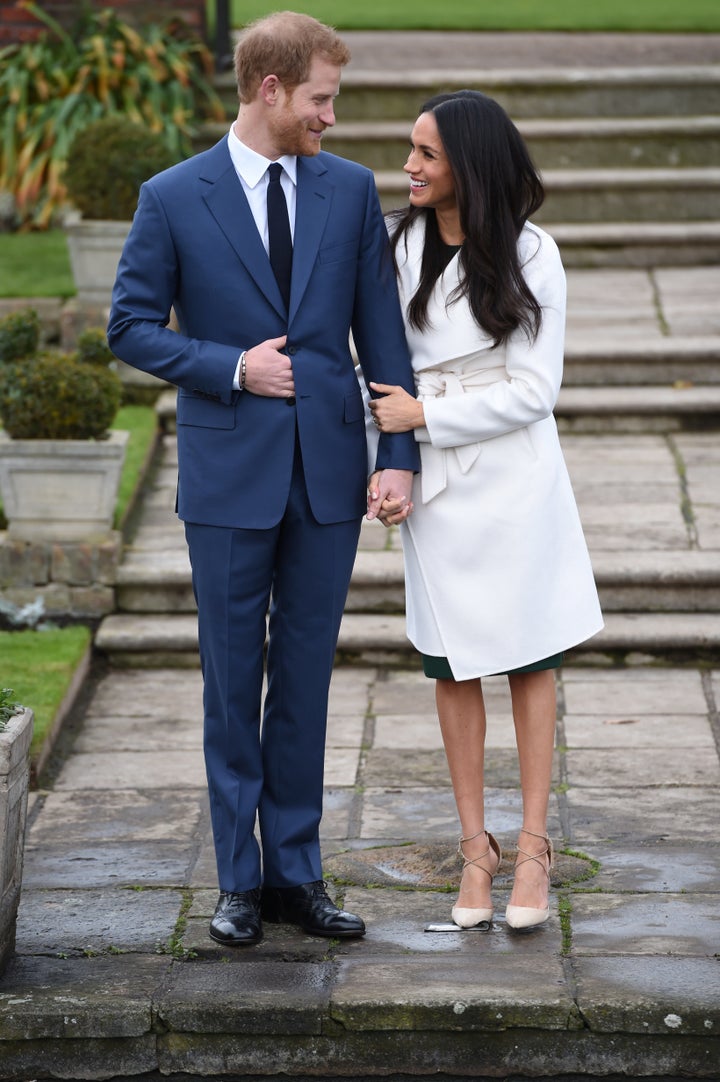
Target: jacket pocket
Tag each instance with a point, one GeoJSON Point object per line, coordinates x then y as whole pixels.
{"type": "Point", "coordinates": [337, 253]}
{"type": "Point", "coordinates": [204, 413]}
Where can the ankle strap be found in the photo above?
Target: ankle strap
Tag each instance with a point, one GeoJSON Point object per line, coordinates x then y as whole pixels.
{"type": "Point", "coordinates": [547, 851]}
{"type": "Point", "coordinates": [472, 837]}
{"type": "Point", "coordinates": [543, 837]}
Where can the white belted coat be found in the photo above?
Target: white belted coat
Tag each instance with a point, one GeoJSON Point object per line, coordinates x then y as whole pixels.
{"type": "Point", "coordinates": [496, 567]}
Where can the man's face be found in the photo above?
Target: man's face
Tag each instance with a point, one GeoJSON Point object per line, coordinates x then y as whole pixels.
{"type": "Point", "coordinates": [303, 114]}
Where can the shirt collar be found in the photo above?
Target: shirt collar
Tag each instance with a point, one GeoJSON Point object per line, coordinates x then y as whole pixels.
{"type": "Point", "coordinates": [252, 166]}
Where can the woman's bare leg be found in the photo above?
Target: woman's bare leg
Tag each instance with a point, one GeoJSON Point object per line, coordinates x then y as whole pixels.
{"type": "Point", "coordinates": [534, 713]}
{"type": "Point", "coordinates": [461, 711]}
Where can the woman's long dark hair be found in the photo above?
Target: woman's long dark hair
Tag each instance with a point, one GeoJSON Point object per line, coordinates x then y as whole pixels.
{"type": "Point", "coordinates": [497, 189]}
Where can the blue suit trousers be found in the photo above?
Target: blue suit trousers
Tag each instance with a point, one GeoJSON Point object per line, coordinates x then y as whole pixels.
{"type": "Point", "coordinates": [265, 762]}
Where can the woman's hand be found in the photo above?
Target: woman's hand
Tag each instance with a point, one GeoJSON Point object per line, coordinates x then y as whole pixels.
{"type": "Point", "coordinates": [396, 411]}
{"type": "Point", "coordinates": [389, 504]}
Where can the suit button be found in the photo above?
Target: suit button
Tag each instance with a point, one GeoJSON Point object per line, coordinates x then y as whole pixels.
{"type": "Point", "coordinates": [291, 400]}
{"type": "Point", "coordinates": [292, 350]}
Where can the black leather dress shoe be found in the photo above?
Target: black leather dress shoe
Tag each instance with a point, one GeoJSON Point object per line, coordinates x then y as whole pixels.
{"type": "Point", "coordinates": [309, 906]}
{"type": "Point", "coordinates": [237, 922]}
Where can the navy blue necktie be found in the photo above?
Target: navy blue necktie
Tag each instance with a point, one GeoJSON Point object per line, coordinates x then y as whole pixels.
{"type": "Point", "coordinates": [279, 232]}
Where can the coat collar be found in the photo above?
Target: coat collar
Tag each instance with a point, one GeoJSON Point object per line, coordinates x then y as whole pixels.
{"type": "Point", "coordinates": [451, 331]}
{"type": "Point", "coordinates": [226, 201]}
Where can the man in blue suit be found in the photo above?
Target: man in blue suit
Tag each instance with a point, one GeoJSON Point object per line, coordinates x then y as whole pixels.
{"type": "Point", "coordinates": [271, 444]}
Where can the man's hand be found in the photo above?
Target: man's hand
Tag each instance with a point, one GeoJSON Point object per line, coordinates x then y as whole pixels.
{"type": "Point", "coordinates": [397, 411]}
{"type": "Point", "coordinates": [389, 496]}
{"type": "Point", "coordinates": [268, 372]}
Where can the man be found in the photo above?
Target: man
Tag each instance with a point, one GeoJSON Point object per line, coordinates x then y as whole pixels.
{"type": "Point", "coordinates": [271, 442]}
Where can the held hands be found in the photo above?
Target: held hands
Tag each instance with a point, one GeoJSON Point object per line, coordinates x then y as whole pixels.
{"type": "Point", "coordinates": [268, 372]}
{"type": "Point", "coordinates": [396, 411]}
{"type": "Point", "coordinates": [389, 496]}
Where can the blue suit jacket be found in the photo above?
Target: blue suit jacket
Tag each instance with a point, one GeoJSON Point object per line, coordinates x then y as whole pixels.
{"type": "Point", "coordinates": [194, 246]}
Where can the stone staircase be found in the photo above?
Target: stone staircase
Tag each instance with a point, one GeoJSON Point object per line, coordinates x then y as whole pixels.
{"type": "Point", "coordinates": [629, 156]}
{"type": "Point", "coordinates": [659, 588]}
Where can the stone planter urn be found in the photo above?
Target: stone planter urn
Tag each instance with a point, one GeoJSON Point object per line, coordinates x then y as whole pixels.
{"type": "Point", "coordinates": [15, 741]}
{"type": "Point", "coordinates": [60, 490]}
{"type": "Point", "coordinates": [95, 248]}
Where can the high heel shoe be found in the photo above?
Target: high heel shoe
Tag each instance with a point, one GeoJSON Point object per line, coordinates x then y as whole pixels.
{"type": "Point", "coordinates": [523, 916]}
{"type": "Point", "coordinates": [464, 916]}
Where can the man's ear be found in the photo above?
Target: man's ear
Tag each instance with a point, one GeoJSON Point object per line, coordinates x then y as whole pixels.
{"type": "Point", "coordinates": [270, 89]}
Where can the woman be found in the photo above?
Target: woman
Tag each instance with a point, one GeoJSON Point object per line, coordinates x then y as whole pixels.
{"type": "Point", "coordinates": [498, 578]}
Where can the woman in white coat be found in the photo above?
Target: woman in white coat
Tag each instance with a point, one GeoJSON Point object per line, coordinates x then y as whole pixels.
{"type": "Point", "coordinates": [498, 578]}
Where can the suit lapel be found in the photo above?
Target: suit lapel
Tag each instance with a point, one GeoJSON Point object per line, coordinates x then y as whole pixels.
{"type": "Point", "coordinates": [313, 201]}
{"type": "Point", "coordinates": [226, 202]}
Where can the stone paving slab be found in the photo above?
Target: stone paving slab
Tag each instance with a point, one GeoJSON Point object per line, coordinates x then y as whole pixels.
{"type": "Point", "coordinates": [633, 814]}
{"type": "Point", "coordinates": [450, 997]}
{"type": "Point", "coordinates": [167, 769]}
{"type": "Point", "coordinates": [133, 864]}
{"type": "Point", "coordinates": [95, 997]}
{"type": "Point", "coordinates": [647, 924]}
{"type": "Point", "coordinates": [88, 922]}
{"type": "Point", "coordinates": [614, 995]}
{"type": "Point", "coordinates": [656, 768]}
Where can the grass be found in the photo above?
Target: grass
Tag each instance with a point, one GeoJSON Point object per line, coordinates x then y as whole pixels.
{"type": "Point", "coordinates": [39, 666]}
{"type": "Point", "coordinates": [607, 15]}
{"type": "Point", "coordinates": [35, 265]}
{"type": "Point", "coordinates": [141, 423]}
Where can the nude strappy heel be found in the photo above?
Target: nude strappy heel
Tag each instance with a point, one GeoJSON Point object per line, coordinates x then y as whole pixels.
{"type": "Point", "coordinates": [523, 916]}
{"type": "Point", "coordinates": [466, 917]}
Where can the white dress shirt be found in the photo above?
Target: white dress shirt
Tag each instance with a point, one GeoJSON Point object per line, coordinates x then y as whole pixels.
{"type": "Point", "coordinates": [252, 171]}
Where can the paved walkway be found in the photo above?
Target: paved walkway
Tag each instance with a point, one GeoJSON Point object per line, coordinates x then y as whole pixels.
{"type": "Point", "coordinates": [114, 973]}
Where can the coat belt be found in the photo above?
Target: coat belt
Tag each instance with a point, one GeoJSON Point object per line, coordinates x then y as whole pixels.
{"type": "Point", "coordinates": [443, 383]}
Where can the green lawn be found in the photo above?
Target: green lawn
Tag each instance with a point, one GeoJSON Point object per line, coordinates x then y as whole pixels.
{"type": "Point", "coordinates": [39, 666]}
{"type": "Point", "coordinates": [648, 15]}
{"type": "Point", "coordinates": [35, 265]}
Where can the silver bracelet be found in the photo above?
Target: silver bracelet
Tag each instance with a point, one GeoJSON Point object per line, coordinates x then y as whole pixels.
{"type": "Point", "coordinates": [243, 370]}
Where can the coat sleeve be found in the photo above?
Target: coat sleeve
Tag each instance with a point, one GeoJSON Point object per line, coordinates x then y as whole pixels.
{"type": "Point", "coordinates": [143, 295]}
{"type": "Point", "coordinates": [534, 369]}
{"type": "Point", "coordinates": [379, 332]}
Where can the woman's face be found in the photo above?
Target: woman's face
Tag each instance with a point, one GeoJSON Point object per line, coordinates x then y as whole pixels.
{"type": "Point", "coordinates": [431, 180]}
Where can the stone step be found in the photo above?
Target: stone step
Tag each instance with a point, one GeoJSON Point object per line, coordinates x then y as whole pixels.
{"type": "Point", "coordinates": [636, 366]}
{"type": "Point", "coordinates": [597, 407]}
{"type": "Point", "coordinates": [641, 582]}
{"type": "Point", "coordinates": [155, 641]}
{"type": "Point", "coordinates": [605, 195]}
{"type": "Point", "coordinates": [555, 143]}
{"type": "Point", "coordinates": [609, 410]}
{"type": "Point", "coordinates": [637, 244]}
{"type": "Point", "coordinates": [679, 90]}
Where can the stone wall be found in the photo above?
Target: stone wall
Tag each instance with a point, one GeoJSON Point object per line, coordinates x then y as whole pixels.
{"type": "Point", "coordinates": [17, 24]}
{"type": "Point", "coordinates": [14, 775]}
{"type": "Point", "coordinates": [57, 579]}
